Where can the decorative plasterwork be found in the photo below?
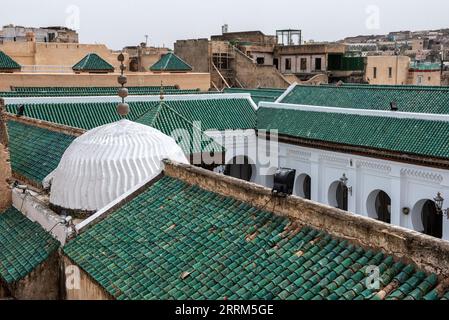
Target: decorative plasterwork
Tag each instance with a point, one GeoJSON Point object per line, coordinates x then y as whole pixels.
{"type": "Point", "coordinates": [422, 175]}
{"type": "Point", "coordinates": [333, 159]}
{"type": "Point", "coordinates": [299, 155]}
{"type": "Point", "coordinates": [374, 166]}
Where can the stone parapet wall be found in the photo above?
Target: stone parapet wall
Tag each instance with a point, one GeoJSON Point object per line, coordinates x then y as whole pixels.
{"type": "Point", "coordinates": [428, 253]}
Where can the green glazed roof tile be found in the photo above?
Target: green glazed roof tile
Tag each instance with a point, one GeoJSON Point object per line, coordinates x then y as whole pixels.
{"type": "Point", "coordinates": [35, 152]}
{"type": "Point", "coordinates": [7, 63]}
{"type": "Point", "coordinates": [93, 62]}
{"type": "Point", "coordinates": [170, 62]}
{"type": "Point", "coordinates": [24, 245]}
{"type": "Point", "coordinates": [407, 98]}
{"type": "Point", "coordinates": [218, 114]}
{"type": "Point", "coordinates": [411, 136]}
{"type": "Point", "coordinates": [172, 242]}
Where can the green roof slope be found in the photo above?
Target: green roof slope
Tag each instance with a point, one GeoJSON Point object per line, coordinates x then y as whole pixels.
{"type": "Point", "coordinates": [407, 98]}
{"type": "Point", "coordinates": [412, 136]}
{"type": "Point", "coordinates": [35, 152]}
{"type": "Point", "coordinates": [258, 95]}
{"type": "Point", "coordinates": [220, 114]}
{"type": "Point", "coordinates": [7, 63]}
{"type": "Point", "coordinates": [169, 121]}
{"type": "Point", "coordinates": [24, 245]}
{"type": "Point", "coordinates": [170, 62]}
{"type": "Point", "coordinates": [177, 241]}
{"type": "Point", "coordinates": [93, 62]}
{"type": "Point", "coordinates": [81, 115]}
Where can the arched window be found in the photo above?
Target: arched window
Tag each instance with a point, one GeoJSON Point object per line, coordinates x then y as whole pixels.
{"type": "Point", "coordinates": [432, 221]}
{"type": "Point", "coordinates": [426, 218]}
{"type": "Point", "coordinates": [304, 186]}
{"type": "Point", "coordinates": [338, 195]}
{"type": "Point", "coordinates": [379, 206]}
{"type": "Point", "coordinates": [240, 167]}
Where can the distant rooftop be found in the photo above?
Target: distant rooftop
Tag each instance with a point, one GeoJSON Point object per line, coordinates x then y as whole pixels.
{"type": "Point", "coordinates": [170, 62]}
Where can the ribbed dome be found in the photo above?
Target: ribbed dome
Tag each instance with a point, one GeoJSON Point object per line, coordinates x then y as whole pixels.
{"type": "Point", "coordinates": [106, 162]}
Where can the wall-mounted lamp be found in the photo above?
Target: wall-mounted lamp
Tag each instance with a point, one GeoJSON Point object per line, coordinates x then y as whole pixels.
{"type": "Point", "coordinates": [344, 180]}
{"type": "Point", "coordinates": [439, 201]}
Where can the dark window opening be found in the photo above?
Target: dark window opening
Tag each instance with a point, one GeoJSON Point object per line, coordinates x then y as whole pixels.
{"type": "Point", "coordinates": [303, 64]}
{"type": "Point", "coordinates": [260, 60]}
{"type": "Point", "coordinates": [342, 197]}
{"type": "Point", "coordinates": [383, 207]}
{"type": "Point", "coordinates": [432, 220]}
{"type": "Point", "coordinates": [317, 63]}
{"type": "Point", "coordinates": [375, 73]}
{"type": "Point", "coordinates": [390, 72]}
{"type": "Point", "coordinates": [288, 64]}
{"type": "Point", "coordinates": [239, 168]}
{"type": "Point", "coordinates": [307, 188]}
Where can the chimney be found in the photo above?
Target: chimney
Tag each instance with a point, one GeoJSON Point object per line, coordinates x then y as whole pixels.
{"type": "Point", "coordinates": [5, 165]}
{"type": "Point", "coordinates": [394, 106]}
{"type": "Point", "coordinates": [225, 29]}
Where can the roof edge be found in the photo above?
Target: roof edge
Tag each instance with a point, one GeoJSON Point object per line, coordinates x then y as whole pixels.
{"type": "Point", "coordinates": [131, 98]}
{"type": "Point", "coordinates": [358, 112]}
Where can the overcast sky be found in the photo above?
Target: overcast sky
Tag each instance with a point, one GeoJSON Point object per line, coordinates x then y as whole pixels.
{"type": "Point", "coordinates": [119, 23]}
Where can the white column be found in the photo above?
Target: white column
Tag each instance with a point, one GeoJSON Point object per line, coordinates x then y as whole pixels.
{"type": "Point", "coordinates": [396, 197]}
{"type": "Point", "coordinates": [316, 180]}
{"type": "Point", "coordinates": [446, 229]}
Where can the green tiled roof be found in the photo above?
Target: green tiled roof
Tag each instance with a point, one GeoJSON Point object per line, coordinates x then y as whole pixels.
{"type": "Point", "coordinates": [167, 120]}
{"type": "Point", "coordinates": [91, 91]}
{"type": "Point", "coordinates": [220, 114]}
{"type": "Point", "coordinates": [93, 62]}
{"type": "Point", "coordinates": [35, 152]}
{"type": "Point", "coordinates": [7, 63]}
{"type": "Point", "coordinates": [170, 62]}
{"type": "Point", "coordinates": [407, 98]}
{"type": "Point", "coordinates": [411, 136]}
{"type": "Point", "coordinates": [258, 95]}
{"type": "Point", "coordinates": [425, 66]}
{"type": "Point", "coordinates": [176, 241]}
{"type": "Point", "coordinates": [24, 245]}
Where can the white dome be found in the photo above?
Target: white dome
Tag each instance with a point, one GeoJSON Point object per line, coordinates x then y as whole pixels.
{"type": "Point", "coordinates": [106, 162]}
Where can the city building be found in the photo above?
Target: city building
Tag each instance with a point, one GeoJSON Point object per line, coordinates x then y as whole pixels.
{"type": "Point", "coordinates": [399, 70]}
{"type": "Point", "coordinates": [239, 59]}
{"type": "Point", "coordinates": [58, 34]}
{"type": "Point", "coordinates": [387, 70]}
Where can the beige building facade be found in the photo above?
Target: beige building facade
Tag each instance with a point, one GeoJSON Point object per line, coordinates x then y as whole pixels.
{"type": "Point", "coordinates": [387, 70]}
{"type": "Point", "coordinates": [63, 55]}
{"type": "Point", "coordinates": [136, 79]}
{"type": "Point", "coordinates": [398, 70]}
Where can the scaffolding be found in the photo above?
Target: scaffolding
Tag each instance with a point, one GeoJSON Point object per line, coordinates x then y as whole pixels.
{"type": "Point", "coordinates": [289, 37]}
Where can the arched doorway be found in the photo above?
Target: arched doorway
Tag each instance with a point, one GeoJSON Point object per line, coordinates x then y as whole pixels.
{"type": "Point", "coordinates": [240, 167]}
{"type": "Point", "coordinates": [338, 195]}
{"type": "Point", "coordinates": [379, 206]}
{"type": "Point", "coordinates": [426, 218]}
{"type": "Point", "coordinates": [304, 186]}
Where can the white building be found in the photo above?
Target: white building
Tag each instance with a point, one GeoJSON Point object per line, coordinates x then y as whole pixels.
{"type": "Point", "coordinates": [384, 164]}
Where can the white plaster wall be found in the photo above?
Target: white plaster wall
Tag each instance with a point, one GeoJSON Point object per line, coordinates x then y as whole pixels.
{"type": "Point", "coordinates": [406, 184]}
{"type": "Point", "coordinates": [30, 206]}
